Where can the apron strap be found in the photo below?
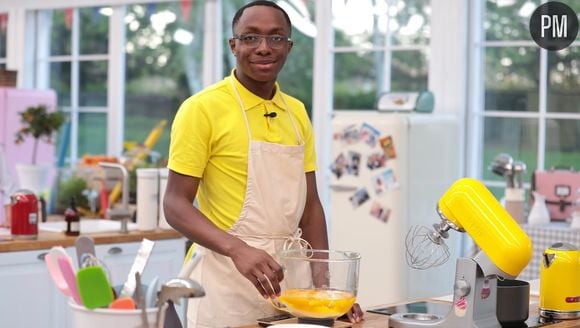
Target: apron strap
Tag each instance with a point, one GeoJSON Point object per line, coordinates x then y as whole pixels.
{"type": "Point", "coordinates": [294, 241]}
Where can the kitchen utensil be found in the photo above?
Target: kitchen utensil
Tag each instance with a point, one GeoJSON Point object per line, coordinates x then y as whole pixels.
{"type": "Point", "coordinates": [513, 302]}
{"type": "Point", "coordinates": [319, 285]}
{"type": "Point", "coordinates": [518, 169]}
{"type": "Point", "coordinates": [105, 317]}
{"type": "Point", "coordinates": [24, 211]}
{"type": "Point", "coordinates": [125, 303]}
{"type": "Point", "coordinates": [425, 248]}
{"type": "Point", "coordinates": [94, 287]}
{"type": "Point", "coordinates": [138, 266]}
{"type": "Point", "coordinates": [151, 292]}
{"type": "Point", "coordinates": [139, 298]}
{"type": "Point", "coordinates": [51, 260]}
{"type": "Point", "coordinates": [468, 206]}
{"type": "Point", "coordinates": [172, 292]}
{"type": "Point", "coordinates": [502, 164]}
{"type": "Point", "coordinates": [560, 282]}
{"type": "Point", "coordinates": [84, 245]}
{"type": "Point", "coordinates": [69, 276]}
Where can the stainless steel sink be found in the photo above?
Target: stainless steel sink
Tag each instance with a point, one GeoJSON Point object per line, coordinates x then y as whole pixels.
{"type": "Point", "coordinates": [87, 226]}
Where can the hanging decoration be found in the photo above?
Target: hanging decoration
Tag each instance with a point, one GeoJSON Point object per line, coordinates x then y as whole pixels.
{"type": "Point", "coordinates": [185, 8]}
{"type": "Point", "coordinates": [68, 17]}
{"type": "Point", "coordinates": [3, 22]}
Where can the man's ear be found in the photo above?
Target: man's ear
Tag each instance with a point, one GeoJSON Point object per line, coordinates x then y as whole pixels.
{"type": "Point", "coordinates": [232, 43]}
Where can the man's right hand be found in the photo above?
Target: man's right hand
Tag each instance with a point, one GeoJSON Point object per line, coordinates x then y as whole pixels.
{"type": "Point", "coordinates": [260, 269]}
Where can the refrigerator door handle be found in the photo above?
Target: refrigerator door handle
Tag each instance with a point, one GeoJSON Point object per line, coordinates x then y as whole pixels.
{"type": "Point", "coordinates": [342, 187]}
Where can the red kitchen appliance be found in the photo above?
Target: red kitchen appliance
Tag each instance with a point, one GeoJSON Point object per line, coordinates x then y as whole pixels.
{"type": "Point", "coordinates": [24, 215]}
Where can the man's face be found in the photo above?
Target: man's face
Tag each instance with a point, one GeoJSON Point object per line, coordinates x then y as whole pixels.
{"type": "Point", "coordinates": [260, 63]}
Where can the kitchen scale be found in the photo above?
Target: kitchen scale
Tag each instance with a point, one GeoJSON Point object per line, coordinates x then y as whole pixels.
{"type": "Point", "coordinates": [441, 309]}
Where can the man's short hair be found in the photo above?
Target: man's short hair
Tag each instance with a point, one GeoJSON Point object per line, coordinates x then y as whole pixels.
{"type": "Point", "coordinates": [259, 3]}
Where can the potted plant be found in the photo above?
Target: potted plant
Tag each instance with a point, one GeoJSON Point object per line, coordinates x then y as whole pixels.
{"type": "Point", "coordinates": [41, 125]}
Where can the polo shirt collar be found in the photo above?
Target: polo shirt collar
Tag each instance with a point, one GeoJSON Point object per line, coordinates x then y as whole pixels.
{"type": "Point", "coordinates": [251, 100]}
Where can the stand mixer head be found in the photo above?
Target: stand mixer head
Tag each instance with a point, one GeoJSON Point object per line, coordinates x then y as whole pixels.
{"type": "Point", "coordinates": [468, 206]}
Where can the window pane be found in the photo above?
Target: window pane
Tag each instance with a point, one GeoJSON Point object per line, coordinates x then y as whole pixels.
{"type": "Point", "coordinates": [511, 79]}
{"type": "Point", "coordinates": [409, 71]}
{"type": "Point", "coordinates": [365, 23]}
{"type": "Point", "coordinates": [562, 143]}
{"type": "Point", "coordinates": [60, 73]}
{"type": "Point", "coordinates": [92, 133]}
{"type": "Point", "coordinates": [356, 25]}
{"type": "Point", "coordinates": [296, 76]}
{"type": "Point", "coordinates": [515, 136]}
{"type": "Point", "coordinates": [508, 19]}
{"type": "Point", "coordinates": [355, 80]}
{"type": "Point", "coordinates": [93, 83]}
{"type": "Point", "coordinates": [410, 21]}
{"type": "Point", "coordinates": [564, 80]}
{"type": "Point", "coordinates": [164, 65]}
{"type": "Point", "coordinates": [94, 31]}
{"type": "Point", "coordinates": [60, 34]}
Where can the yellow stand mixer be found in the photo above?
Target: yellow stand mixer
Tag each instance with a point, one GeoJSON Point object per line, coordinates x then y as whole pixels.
{"type": "Point", "coordinates": [468, 206]}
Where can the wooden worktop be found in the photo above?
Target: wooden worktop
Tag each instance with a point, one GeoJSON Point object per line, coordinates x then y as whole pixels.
{"type": "Point", "coordinates": [47, 240]}
{"type": "Point", "coordinates": [374, 320]}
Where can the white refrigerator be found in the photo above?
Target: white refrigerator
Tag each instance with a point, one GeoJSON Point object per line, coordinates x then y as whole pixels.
{"type": "Point", "coordinates": [388, 171]}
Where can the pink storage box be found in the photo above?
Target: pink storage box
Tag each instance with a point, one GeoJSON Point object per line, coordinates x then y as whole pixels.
{"type": "Point", "coordinates": [561, 187]}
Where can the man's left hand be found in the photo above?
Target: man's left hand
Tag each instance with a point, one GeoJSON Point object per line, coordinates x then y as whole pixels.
{"type": "Point", "coordinates": [355, 314]}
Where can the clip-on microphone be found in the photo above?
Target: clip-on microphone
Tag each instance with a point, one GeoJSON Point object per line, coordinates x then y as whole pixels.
{"type": "Point", "coordinates": [271, 114]}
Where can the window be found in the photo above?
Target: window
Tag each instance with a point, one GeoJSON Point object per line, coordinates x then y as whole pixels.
{"type": "Point", "coordinates": [119, 71]}
{"type": "Point", "coordinates": [164, 52]}
{"type": "Point", "coordinates": [379, 46]}
{"type": "Point", "coordinates": [72, 59]}
{"type": "Point", "coordinates": [529, 96]}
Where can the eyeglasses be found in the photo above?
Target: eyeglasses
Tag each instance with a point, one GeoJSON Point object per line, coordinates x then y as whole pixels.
{"type": "Point", "coordinates": [254, 40]}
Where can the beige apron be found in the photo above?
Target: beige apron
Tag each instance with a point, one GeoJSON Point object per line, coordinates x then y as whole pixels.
{"type": "Point", "coordinates": [273, 206]}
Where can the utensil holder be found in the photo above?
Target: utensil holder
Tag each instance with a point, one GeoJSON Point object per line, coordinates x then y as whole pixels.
{"type": "Point", "coordinates": [99, 318]}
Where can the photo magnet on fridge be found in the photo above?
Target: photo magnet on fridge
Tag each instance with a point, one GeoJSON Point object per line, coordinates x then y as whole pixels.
{"type": "Point", "coordinates": [369, 134]}
{"type": "Point", "coordinates": [339, 165]}
{"type": "Point", "coordinates": [384, 181]}
{"type": "Point", "coordinates": [353, 163]}
{"type": "Point", "coordinates": [388, 147]}
{"type": "Point", "coordinates": [380, 212]}
{"type": "Point", "coordinates": [376, 160]}
{"type": "Point", "coordinates": [359, 197]}
{"type": "Point", "coordinates": [348, 135]}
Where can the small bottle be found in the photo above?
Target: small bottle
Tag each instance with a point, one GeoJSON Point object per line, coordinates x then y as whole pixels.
{"type": "Point", "coordinates": [73, 220]}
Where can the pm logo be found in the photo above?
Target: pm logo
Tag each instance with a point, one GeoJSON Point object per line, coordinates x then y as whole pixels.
{"type": "Point", "coordinates": [554, 26]}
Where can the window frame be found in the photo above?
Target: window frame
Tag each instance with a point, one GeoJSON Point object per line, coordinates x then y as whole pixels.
{"type": "Point", "coordinates": [476, 113]}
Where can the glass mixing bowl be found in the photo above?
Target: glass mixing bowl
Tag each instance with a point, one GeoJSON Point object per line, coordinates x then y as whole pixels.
{"type": "Point", "coordinates": [318, 284]}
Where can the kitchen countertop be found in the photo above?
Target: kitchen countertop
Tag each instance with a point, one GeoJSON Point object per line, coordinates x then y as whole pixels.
{"type": "Point", "coordinates": [374, 320]}
{"type": "Point", "coordinates": [47, 240]}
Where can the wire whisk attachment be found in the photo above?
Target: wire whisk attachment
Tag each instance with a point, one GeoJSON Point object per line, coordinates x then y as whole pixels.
{"type": "Point", "coordinates": [426, 247]}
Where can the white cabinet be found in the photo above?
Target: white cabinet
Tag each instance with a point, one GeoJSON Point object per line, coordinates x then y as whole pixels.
{"type": "Point", "coordinates": [164, 262]}
{"type": "Point", "coordinates": [31, 300]}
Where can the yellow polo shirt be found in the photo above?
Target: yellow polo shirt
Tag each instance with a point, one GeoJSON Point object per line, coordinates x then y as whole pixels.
{"type": "Point", "coordinates": [209, 140]}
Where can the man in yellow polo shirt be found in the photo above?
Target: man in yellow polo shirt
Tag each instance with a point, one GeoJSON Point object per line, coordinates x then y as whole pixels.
{"type": "Point", "coordinates": [245, 149]}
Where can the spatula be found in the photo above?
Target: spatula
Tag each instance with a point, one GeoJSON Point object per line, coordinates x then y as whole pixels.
{"type": "Point", "coordinates": [94, 287]}
{"type": "Point", "coordinates": [84, 245]}
{"type": "Point", "coordinates": [68, 274]}
{"type": "Point", "coordinates": [51, 260]}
